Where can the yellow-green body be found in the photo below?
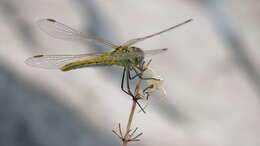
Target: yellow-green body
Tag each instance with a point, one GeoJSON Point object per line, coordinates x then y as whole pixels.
{"type": "Point", "coordinates": [121, 56]}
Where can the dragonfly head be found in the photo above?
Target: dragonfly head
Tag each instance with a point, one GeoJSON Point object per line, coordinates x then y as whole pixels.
{"type": "Point", "coordinates": [140, 54]}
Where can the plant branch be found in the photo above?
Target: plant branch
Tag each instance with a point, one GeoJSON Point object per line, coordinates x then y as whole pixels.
{"type": "Point", "coordinates": [131, 136]}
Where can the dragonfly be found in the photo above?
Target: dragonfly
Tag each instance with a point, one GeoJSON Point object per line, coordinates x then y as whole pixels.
{"type": "Point", "coordinates": [125, 55]}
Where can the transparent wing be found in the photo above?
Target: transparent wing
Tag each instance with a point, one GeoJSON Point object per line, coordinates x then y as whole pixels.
{"type": "Point", "coordinates": [137, 40]}
{"type": "Point", "coordinates": [61, 31]}
{"type": "Point", "coordinates": [148, 53]}
{"type": "Point", "coordinates": [57, 61]}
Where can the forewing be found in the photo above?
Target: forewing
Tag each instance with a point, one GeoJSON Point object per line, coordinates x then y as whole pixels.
{"type": "Point", "coordinates": [62, 31]}
{"type": "Point", "coordinates": [136, 40]}
{"type": "Point", "coordinates": [57, 61]}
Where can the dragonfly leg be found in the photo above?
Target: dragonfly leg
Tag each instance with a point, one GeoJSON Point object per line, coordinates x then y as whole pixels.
{"type": "Point", "coordinates": [123, 80]}
{"type": "Point", "coordinates": [129, 90]}
{"type": "Point", "coordinates": [136, 75]}
{"type": "Point", "coordinates": [143, 66]}
{"type": "Point", "coordinates": [139, 105]}
{"type": "Point", "coordinates": [147, 92]}
{"type": "Point", "coordinates": [127, 81]}
{"type": "Point", "coordinates": [141, 77]}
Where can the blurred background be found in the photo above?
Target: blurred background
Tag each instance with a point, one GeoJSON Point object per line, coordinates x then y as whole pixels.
{"type": "Point", "coordinates": [211, 72]}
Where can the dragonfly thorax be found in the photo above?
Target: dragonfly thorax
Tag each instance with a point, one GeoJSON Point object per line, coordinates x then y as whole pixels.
{"type": "Point", "coordinates": [128, 55]}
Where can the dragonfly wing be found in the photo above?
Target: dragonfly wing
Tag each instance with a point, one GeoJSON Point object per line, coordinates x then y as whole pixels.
{"type": "Point", "coordinates": [62, 31]}
{"type": "Point", "coordinates": [137, 40]}
{"type": "Point", "coordinates": [148, 53]}
{"type": "Point", "coordinates": [57, 61]}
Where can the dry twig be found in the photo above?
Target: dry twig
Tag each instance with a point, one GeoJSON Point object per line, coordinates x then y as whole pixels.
{"type": "Point", "coordinates": [130, 135]}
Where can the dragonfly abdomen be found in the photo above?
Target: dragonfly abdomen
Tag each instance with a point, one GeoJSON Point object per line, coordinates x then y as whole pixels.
{"type": "Point", "coordinates": [99, 61]}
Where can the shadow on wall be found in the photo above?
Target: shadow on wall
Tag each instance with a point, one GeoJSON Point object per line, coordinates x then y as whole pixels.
{"type": "Point", "coordinates": [31, 118]}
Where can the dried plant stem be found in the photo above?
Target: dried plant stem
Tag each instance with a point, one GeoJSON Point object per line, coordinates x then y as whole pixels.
{"type": "Point", "coordinates": [129, 134]}
{"type": "Point", "coordinates": [130, 119]}
{"type": "Point", "coordinates": [129, 123]}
